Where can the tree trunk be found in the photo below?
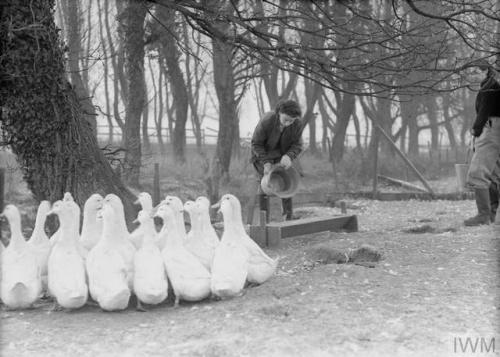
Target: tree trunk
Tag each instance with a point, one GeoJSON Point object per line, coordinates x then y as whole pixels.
{"type": "Point", "coordinates": [312, 93]}
{"type": "Point", "coordinates": [74, 54]}
{"type": "Point", "coordinates": [159, 118]}
{"type": "Point", "coordinates": [132, 21]}
{"type": "Point", "coordinates": [346, 106]}
{"type": "Point", "coordinates": [433, 121]}
{"type": "Point", "coordinates": [119, 83]}
{"type": "Point", "coordinates": [145, 117]}
{"type": "Point", "coordinates": [43, 121]}
{"type": "Point", "coordinates": [170, 53]}
{"type": "Point", "coordinates": [107, 114]}
{"type": "Point", "coordinates": [447, 120]}
{"type": "Point", "coordinates": [225, 88]}
{"type": "Point", "coordinates": [409, 116]}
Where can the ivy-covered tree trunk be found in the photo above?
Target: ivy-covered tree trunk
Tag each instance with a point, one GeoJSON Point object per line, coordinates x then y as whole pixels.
{"type": "Point", "coordinates": [42, 118]}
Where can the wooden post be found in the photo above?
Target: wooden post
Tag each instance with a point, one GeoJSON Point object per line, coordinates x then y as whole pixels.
{"type": "Point", "coordinates": [156, 185]}
{"type": "Point", "coordinates": [343, 207]}
{"type": "Point", "coordinates": [375, 161]}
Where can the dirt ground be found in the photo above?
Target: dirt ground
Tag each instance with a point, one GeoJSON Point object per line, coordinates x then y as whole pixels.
{"type": "Point", "coordinates": [438, 283]}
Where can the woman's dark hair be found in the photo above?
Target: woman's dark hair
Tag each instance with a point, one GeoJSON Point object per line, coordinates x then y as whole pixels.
{"type": "Point", "coordinates": [289, 107]}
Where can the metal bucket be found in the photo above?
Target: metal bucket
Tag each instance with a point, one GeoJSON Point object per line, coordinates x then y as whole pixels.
{"type": "Point", "coordinates": [461, 172]}
{"type": "Point", "coordinates": [281, 182]}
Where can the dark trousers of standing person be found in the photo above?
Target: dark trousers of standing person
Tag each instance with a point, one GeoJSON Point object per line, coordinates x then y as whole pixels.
{"type": "Point", "coordinates": [484, 173]}
{"type": "Point", "coordinates": [286, 203]}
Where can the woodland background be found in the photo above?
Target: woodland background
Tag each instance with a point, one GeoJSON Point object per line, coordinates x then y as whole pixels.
{"type": "Point", "coordinates": [95, 91]}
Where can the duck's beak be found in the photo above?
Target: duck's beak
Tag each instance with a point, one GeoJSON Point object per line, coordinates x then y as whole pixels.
{"type": "Point", "coordinates": [154, 210]}
{"type": "Point", "coordinates": [215, 205]}
{"type": "Point", "coordinates": [137, 202]}
{"type": "Point", "coordinates": [135, 221]}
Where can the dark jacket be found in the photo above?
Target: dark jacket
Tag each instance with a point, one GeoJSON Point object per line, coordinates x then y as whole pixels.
{"type": "Point", "coordinates": [487, 104]}
{"type": "Point", "coordinates": [269, 145]}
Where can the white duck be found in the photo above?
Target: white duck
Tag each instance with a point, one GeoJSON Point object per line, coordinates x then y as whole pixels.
{"type": "Point", "coordinates": [260, 266]}
{"type": "Point", "coordinates": [66, 267]}
{"type": "Point", "coordinates": [146, 229]}
{"type": "Point", "coordinates": [21, 282]}
{"type": "Point", "coordinates": [55, 236]}
{"type": "Point", "coordinates": [67, 197]}
{"type": "Point", "coordinates": [91, 226]}
{"type": "Point", "coordinates": [167, 227]}
{"type": "Point", "coordinates": [150, 277]}
{"type": "Point", "coordinates": [125, 247]}
{"type": "Point", "coordinates": [202, 239]}
{"type": "Point", "coordinates": [39, 241]}
{"type": "Point", "coordinates": [230, 264]}
{"type": "Point", "coordinates": [189, 278]}
{"type": "Point", "coordinates": [145, 200]}
{"type": "Point", "coordinates": [108, 272]}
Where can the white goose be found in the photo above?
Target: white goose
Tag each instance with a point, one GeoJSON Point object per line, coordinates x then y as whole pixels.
{"type": "Point", "coordinates": [150, 278]}
{"type": "Point", "coordinates": [91, 226]}
{"type": "Point", "coordinates": [66, 267]}
{"type": "Point", "coordinates": [189, 278]}
{"type": "Point", "coordinates": [230, 264]}
{"type": "Point", "coordinates": [202, 239]}
{"type": "Point", "coordinates": [21, 282]}
{"type": "Point", "coordinates": [260, 266]}
{"type": "Point", "coordinates": [39, 241]}
{"type": "Point", "coordinates": [108, 272]}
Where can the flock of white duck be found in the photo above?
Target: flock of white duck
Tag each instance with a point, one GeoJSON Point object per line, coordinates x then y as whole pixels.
{"type": "Point", "coordinates": [110, 263]}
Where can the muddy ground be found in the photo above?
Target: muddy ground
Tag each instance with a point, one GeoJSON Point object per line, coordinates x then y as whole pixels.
{"type": "Point", "coordinates": [437, 285]}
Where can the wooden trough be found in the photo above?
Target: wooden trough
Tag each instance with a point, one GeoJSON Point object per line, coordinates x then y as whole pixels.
{"type": "Point", "coordinates": [270, 234]}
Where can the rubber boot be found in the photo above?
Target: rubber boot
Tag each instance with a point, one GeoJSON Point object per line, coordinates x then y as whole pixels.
{"type": "Point", "coordinates": [493, 200]}
{"type": "Point", "coordinates": [286, 203]}
{"type": "Point", "coordinates": [497, 219]}
{"type": "Point", "coordinates": [483, 208]}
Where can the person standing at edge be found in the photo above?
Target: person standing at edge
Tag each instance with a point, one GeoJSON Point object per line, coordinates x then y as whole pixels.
{"type": "Point", "coordinates": [277, 139]}
{"type": "Point", "coordinates": [484, 170]}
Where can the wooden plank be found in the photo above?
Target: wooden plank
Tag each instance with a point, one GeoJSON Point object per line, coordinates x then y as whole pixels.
{"type": "Point", "coordinates": [330, 198]}
{"type": "Point", "coordinates": [405, 159]}
{"type": "Point", "coordinates": [310, 225]}
{"type": "Point", "coordinates": [402, 183]}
